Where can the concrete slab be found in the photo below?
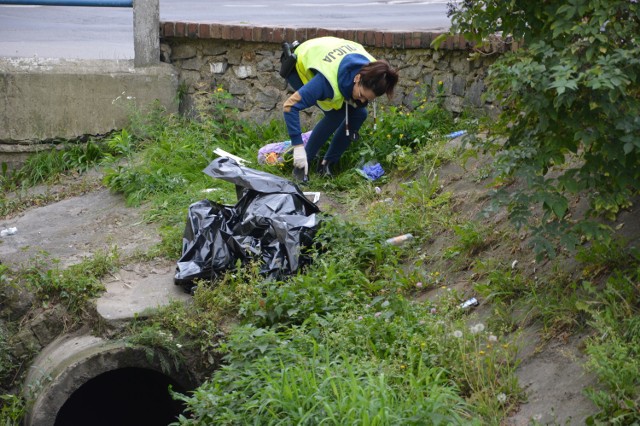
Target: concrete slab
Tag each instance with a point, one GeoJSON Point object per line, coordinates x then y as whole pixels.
{"type": "Point", "coordinates": [76, 228]}
{"type": "Point", "coordinates": [65, 99]}
{"type": "Point", "coordinates": [138, 289]}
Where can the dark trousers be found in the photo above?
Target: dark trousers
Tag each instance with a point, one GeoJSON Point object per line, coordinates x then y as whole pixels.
{"type": "Point", "coordinates": [333, 123]}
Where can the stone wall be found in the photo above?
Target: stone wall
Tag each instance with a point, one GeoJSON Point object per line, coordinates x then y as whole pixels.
{"type": "Point", "coordinates": [43, 101]}
{"type": "Point", "coordinates": [244, 62]}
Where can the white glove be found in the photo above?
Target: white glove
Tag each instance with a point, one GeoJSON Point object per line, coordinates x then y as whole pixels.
{"type": "Point", "coordinates": [300, 158]}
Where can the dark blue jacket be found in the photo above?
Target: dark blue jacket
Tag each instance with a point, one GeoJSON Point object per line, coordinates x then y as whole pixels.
{"type": "Point", "coordinates": [318, 88]}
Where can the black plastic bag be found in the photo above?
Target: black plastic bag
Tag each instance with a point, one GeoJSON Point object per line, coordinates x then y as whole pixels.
{"type": "Point", "coordinates": [288, 59]}
{"type": "Point", "coordinates": [272, 221]}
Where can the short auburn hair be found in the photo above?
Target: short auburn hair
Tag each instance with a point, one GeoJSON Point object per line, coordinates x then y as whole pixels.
{"type": "Point", "coordinates": [379, 77]}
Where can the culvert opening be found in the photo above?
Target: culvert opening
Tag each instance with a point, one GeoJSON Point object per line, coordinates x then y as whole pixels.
{"type": "Point", "coordinates": [123, 397]}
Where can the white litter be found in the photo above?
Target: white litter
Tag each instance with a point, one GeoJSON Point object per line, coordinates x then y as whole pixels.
{"type": "Point", "coordinates": [222, 153]}
{"type": "Point", "coordinates": [8, 231]}
{"type": "Point", "coordinates": [315, 195]}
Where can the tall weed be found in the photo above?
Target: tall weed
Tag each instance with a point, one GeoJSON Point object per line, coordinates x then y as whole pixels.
{"type": "Point", "coordinates": [73, 286]}
{"type": "Point", "coordinates": [614, 352]}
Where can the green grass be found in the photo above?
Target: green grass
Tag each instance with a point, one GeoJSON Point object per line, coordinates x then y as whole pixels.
{"type": "Point", "coordinates": [48, 165]}
{"type": "Point", "coordinates": [291, 377]}
{"type": "Point", "coordinates": [614, 349]}
{"type": "Point", "coordinates": [6, 361]}
{"type": "Point", "coordinates": [72, 287]}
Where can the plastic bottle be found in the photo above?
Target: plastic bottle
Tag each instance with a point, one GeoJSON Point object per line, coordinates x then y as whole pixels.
{"type": "Point", "coordinates": [456, 134]}
{"type": "Point", "coordinates": [470, 303]}
{"type": "Point", "coordinates": [400, 239]}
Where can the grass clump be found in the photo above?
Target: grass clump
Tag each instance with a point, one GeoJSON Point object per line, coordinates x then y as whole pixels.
{"type": "Point", "coordinates": [614, 347]}
{"type": "Point", "coordinates": [290, 378]}
{"type": "Point", "coordinates": [72, 287]}
{"type": "Point", "coordinates": [49, 165]}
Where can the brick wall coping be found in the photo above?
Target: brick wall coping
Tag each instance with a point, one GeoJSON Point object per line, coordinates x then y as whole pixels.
{"type": "Point", "coordinates": [373, 38]}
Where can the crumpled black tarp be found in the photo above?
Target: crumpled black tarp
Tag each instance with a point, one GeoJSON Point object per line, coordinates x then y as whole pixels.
{"type": "Point", "coordinates": [272, 221]}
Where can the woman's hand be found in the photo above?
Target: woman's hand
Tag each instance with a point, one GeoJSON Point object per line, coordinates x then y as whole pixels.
{"type": "Point", "coordinates": [300, 158]}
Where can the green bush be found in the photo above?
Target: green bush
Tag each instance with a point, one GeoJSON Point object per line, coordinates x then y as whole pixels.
{"type": "Point", "coordinates": [570, 105]}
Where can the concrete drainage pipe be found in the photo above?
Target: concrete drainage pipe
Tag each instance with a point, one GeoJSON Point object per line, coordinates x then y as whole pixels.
{"type": "Point", "coordinates": [86, 380]}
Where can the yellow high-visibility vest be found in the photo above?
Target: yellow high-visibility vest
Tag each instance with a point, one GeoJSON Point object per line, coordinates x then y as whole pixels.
{"type": "Point", "coordinates": [324, 55]}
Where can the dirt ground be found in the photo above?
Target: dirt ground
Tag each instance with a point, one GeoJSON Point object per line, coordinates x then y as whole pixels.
{"type": "Point", "coordinates": [550, 372]}
{"type": "Point", "coordinates": [79, 226]}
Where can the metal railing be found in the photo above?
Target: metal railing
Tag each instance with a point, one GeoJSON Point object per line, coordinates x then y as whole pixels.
{"type": "Point", "coordinates": [146, 23]}
{"type": "Point", "coordinates": [95, 3]}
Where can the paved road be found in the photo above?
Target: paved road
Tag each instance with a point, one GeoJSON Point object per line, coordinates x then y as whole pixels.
{"type": "Point", "coordinates": [107, 33]}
